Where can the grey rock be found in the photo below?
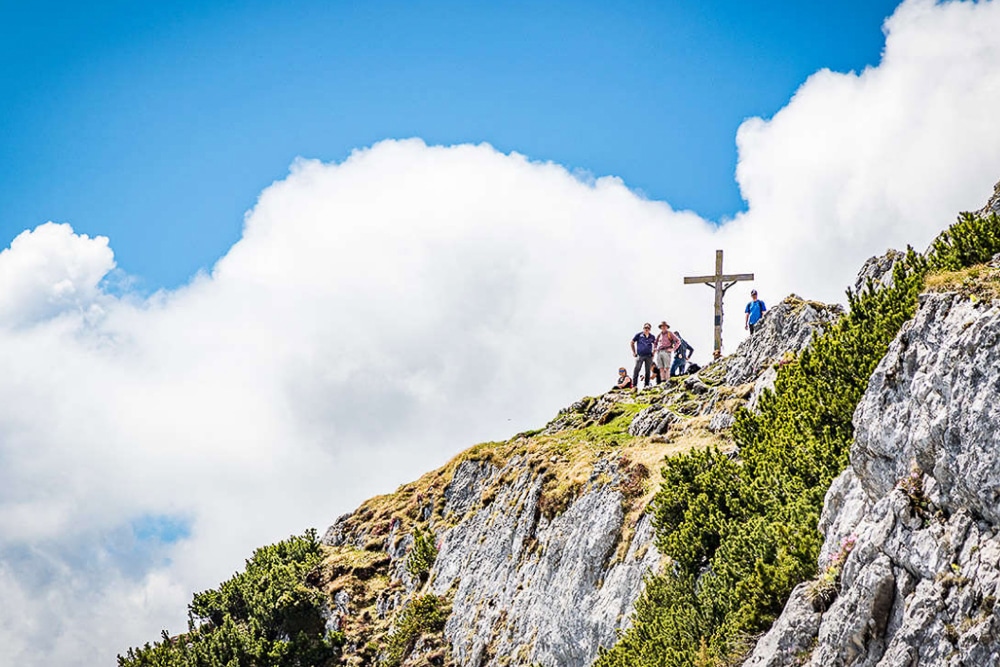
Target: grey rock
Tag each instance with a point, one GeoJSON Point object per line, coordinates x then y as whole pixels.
{"type": "Point", "coordinates": [335, 535]}
{"type": "Point", "coordinates": [788, 326]}
{"type": "Point", "coordinates": [791, 636]}
{"type": "Point", "coordinates": [654, 420]}
{"type": "Point", "coordinates": [878, 270]}
{"type": "Point", "coordinates": [721, 420]}
{"type": "Point", "coordinates": [545, 591]}
{"type": "Point", "coordinates": [387, 602]}
{"type": "Point", "coordinates": [694, 384]}
{"type": "Point", "coordinates": [855, 625]}
{"type": "Point", "coordinates": [467, 486]}
{"type": "Point", "coordinates": [922, 580]}
{"type": "Point", "coordinates": [844, 506]}
{"type": "Point", "coordinates": [764, 383]}
{"type": "Point", "coordinates": [993, 205]}
{"type": "Point", "coordinates": [587, 411]}
{"type": "Point", "coordinates": [342, 602]}
{"type": "Point", "coordinates": [933, 401]}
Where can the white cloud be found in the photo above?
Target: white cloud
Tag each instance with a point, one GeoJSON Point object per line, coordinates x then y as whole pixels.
{"type": "Point", "coordinates": [49, 271]}
{"type": "Point", "coordinates": [856, 163]}
{"type": "Point", "coordinates": [380, 314]}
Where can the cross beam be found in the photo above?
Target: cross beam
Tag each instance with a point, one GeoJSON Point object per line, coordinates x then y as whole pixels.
{"type": "Point", "coordinates": [720, 282]}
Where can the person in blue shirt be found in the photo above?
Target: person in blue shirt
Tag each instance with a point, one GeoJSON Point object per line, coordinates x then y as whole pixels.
{"type": "Point", "coordinates": [642, 350]}
{"type": "Point", "coordinates": [754, 311]}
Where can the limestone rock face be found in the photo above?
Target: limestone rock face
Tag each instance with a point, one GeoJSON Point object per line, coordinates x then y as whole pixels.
{"type": "Point", "coordinates": [788, 326]}
{"type": "Point", "coordinates": [915, 518]}
{"type": "Point", "coordinates": [543, 542]}
{"type": "Point", "coordinates": [878, 270]}
{"type": "Point", "coordinates": [543, 589]}
{"type": "Point", "coordinates": [993, 205]}
{"type": "Point", "coordinates": [933, 400]}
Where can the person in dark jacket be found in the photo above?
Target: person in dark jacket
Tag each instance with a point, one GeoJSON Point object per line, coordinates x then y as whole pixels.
{"type": "Point", "coordinates": [681, 356]}
{"type": "Point", "coordinates": [642, 350]}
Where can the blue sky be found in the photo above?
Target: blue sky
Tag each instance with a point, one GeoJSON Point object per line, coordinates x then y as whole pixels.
{"type": "Point", "coordinates": [158, 124]}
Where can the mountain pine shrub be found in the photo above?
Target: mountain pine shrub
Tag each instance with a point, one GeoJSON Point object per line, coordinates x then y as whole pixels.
{"type": "Point", "coordinates": [741, 534]}
{"type": "Point", "coordinates": [422, 555]}
{"type": "Point", "coordinates": [426, 615]}
{"type": "Point", "coordinates": [265, 616]}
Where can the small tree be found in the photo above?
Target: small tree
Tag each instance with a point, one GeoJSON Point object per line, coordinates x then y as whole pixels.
{"type": "Point", "coordinates": [422, 555]}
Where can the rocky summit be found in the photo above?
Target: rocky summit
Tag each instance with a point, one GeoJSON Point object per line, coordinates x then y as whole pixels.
{"type": "Point", "coordinates": [826, 495]}
{"type": "Point", "coordinates": [542, 542]}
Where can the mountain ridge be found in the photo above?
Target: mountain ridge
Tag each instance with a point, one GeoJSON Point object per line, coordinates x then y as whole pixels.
{"type": "Point", "coordinates": [541, 549]}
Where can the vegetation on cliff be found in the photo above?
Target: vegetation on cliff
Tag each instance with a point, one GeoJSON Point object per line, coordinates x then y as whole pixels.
{"type": "Point", "coordinates": [741, 534]}
{"type": "Point", "coordinates": [740, 531]}
{"type": "Point", "coordinates": [266, 615]}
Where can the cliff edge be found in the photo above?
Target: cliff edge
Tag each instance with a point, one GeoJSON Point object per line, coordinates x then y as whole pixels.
{"type": "Point", "coordinates": [533, 551]}
{"type": "Point", "coordinates": [910, 566]}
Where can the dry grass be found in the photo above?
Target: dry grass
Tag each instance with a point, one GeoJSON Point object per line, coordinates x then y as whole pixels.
{"type": "Point", "coordinates": [564, 460]}
{"type": "Point", "coordinates": [978, 282]}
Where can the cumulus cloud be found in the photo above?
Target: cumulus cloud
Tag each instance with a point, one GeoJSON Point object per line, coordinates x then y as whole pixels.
{"type": "Point", "coordinates": [380, 314]}
{"type": "Point", "coordinates": [51, 270]}
{"type": "Point", "coordinates": [856, 163]}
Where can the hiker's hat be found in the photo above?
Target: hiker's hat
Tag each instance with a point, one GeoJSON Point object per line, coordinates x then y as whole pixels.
{"type": "Point", "coordinates": [753, 292]}
{"type": "Point", "coordinates": [664, 324]}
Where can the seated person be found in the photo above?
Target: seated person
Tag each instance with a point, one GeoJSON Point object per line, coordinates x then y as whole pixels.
{"type": "Point", "coordinates": [624, 381]}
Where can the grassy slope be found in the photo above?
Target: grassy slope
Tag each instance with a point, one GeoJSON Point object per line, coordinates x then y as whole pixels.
{"type": "Point", "coordinates": [563, 454]}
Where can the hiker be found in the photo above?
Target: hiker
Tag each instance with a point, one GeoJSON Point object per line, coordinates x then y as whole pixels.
{"type": "Point", "coordinates": [681, 355]}
{"type": "Point", "coordinates": [624, 381]}
{"type": "Point", "coordinates": [666, 343]}
{"type": "Point", "coordinates": [755, 310]}
{"type": "Point", "coordinates": [643, 354]}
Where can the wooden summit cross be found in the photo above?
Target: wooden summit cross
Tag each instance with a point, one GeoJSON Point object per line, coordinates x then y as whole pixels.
{"type": "Point", "coordinates": [716, 282]}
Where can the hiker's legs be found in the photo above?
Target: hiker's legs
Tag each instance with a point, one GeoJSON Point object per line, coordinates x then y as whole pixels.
{"type": "Point", "coordinates": [663, 361]}
{"type": "Point", "coordinates": [635, 372]}
{"type": "Point", "coordinates": [648, 361]}
{"type": "Point", "coordinates": [678, 366]}
{"type": "Point", "coordinates": [751, 328]}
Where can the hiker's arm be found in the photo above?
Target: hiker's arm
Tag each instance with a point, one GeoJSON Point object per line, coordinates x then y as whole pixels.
{"type": "Point", "coordinates": [633, 348]}
{"type": "Point", "coordinates": [746, 320]}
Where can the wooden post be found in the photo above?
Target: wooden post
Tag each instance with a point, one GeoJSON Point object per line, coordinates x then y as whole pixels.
{"type": "Point", "coordinates": [717, 282]}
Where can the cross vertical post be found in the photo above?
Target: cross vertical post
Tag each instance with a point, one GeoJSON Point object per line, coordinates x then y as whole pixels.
{"type": "Point", "coordinates": [719, 283]}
